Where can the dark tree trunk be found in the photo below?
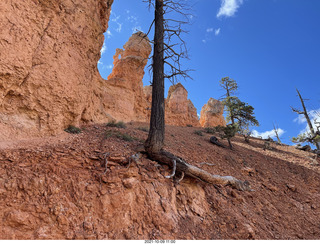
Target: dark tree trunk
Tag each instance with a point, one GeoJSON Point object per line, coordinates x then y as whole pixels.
{"type": "Point", "coordinates": [229, 141]}
{"type": "Point", "coordinates": [155, 139]}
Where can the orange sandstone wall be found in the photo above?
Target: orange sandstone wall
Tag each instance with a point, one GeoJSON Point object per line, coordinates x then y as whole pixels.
{"type": "Point", "coordinates": [49, 54]}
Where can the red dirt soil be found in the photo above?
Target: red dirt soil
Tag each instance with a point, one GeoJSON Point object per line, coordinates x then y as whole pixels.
{"type": "Point", "coordinates": [58, 188]}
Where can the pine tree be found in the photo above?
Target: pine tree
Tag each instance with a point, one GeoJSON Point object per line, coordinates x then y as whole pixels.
{"type": "Point", "coordinates": [240, 114]}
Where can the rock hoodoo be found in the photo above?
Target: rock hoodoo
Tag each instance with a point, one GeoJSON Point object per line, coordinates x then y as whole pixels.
{"type": "Point", "coordinates": [212, 114]}
{"type": "Point", "coordinates": [123, 93]}
{"type": "Point", "coordinates": [179, 109]}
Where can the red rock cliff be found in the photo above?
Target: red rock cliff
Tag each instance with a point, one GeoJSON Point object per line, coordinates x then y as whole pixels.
{"type": "Point", "coordinates": [49, 53]}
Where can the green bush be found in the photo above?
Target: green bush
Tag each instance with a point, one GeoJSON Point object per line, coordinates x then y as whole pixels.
{"type": "Point", "coordinates": [219, 128]}
{"type": "Point", "coordinates": [73, 129]}
{"type": "Point", "coordinates": [198, 132]}
{"type": "Point", "coordinates": [145, 129]}
{"type": "Point", "coordinates": [209, 130]}
{"type": "Point", "coordinates": [119, 124]}
{"type": "Point", "coordinates": [118, 134]}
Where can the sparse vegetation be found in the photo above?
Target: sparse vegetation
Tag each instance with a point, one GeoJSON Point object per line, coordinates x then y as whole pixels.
{"type": "Point", "coordinates": [145, 129]}
{"type": "Point", "coordinates": [73, 129]}
{"type": "Point", "coordinates": [198, 132]}
{"type": "Point", "coordinates": [119, 124]}
{"type": "Point", "coordinates": [228, 132]}
{"type": "Point", "coordinates": [188, 125]}
{"type": "Point", "coordinates": [118, 134]}
{"type": "Point", "coordinates": [209, 130]}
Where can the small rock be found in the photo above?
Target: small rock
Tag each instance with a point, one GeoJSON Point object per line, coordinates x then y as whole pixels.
{"type": "Point", "coordinates": [91, 188]}
{"type": "Point", "coordinates": [270, 187]}
{"type": "Point", "coordinates": [292, 187]}
{"type": "Point", "coordinates": [248, 171]}
{"type": "Point", "coordinates": [18, 218]}
{"type": "Point", "coordinates": [117, 159]}
{"type": "Point", "coordinates": [87, 226]}
{"type": "Point", "coordinates": [129, 183]}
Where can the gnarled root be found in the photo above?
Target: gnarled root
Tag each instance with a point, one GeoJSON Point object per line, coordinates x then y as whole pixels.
{"type": "Point", "coordinates": [195, 172]}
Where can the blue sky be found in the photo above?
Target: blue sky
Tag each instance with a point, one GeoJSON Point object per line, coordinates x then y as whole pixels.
{"type": "Point", "coordinates": [270, 47]}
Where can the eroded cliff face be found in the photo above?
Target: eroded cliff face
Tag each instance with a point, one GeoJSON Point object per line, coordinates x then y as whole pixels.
{"type": "Point", "coordinates": [212, 114]}
{"type": "Point", "coordinates": [49, 54]}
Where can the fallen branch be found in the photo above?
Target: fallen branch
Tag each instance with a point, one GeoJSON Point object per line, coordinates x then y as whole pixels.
{"type": "Point", "coordinates": [207, 164]}
{"type": "Point", "coordinates": [214, 140]}
{"type": "Point", "coordinates": [195, 172]}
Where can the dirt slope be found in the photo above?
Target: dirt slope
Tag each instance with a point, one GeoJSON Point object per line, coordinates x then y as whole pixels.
{"type": "Point", "coordinates": [57, 188]}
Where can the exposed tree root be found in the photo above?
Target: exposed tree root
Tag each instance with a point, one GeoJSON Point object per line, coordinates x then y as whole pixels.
{"type": "Point", "coordinates": [195, 172]}
{"type": "Point", "coordinates": [173, 170]}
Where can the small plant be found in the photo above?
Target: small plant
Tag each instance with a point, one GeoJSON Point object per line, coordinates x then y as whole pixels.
{"type": "Point", "coordinates": [228, 132]}
{"type": "Point", "coordinates": [209, 130]}
{"type": "Point", "coordinates": [119, 124]}
{"type": "Point", "coordinates": [188, 125]}
{"type": "Point", "coordinates": [198, 132]}
{"type": "Point", "coordinates": [73, 129]}
{"type": "Point", "coordinates": [145, 129]}
{"type": "Point", "coordinates": [219, 128]}
{"type": "Point", "coordinates": [119, 135]}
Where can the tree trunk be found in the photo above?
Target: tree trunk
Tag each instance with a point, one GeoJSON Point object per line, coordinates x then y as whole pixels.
{"type": "Point", "coordinates": [305, 113]}
{"type": "Point", "coordinates": [231, 112]}
{"type": "Point", "coordinates": [155, 140]}
{"type": "Point", "coordinates": [229, 141]}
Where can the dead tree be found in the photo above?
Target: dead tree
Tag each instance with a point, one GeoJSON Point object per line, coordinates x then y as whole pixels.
{"type": "Point", "coordinates": [165, 53]}
{"type": "Point", "coordinates": [275, 129]}
{"type": "Point", "coordinates": [306, 115]}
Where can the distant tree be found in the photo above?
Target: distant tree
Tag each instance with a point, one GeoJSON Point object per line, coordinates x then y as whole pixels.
{"type": "Point", "coordinates": [276, 129]}
{"type": "Point", "coordinates": [237, 111]}
{"type": "Point", "coordinates": [231, 87]}
{"type": "Point", "coordinates": [312, 136]}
